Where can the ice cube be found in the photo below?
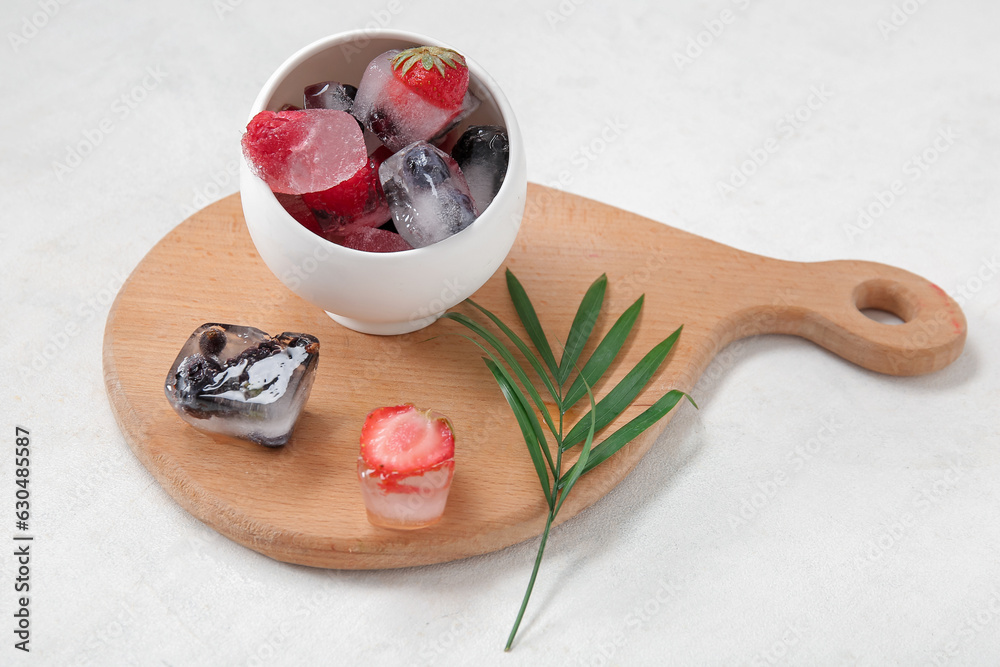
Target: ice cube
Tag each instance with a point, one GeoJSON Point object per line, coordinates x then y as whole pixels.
{"type": "Point", "coordinates": [296, 152]}
{"type": "Point", "coordinates": [358, 201]}
{"type": "Point", "coordinates": [393, 111]}
{"type": "Point", "coordinates": [406, 502]}
{"type": "Point", "coordinates": [427, 194]}
{"type": "Point", "coordinates": [238, 381]}
{"type": "Point", "coordinates": [329, 95]}
{"type": "Point", "coordinates": [372, 239]}
{"type": "Point", "coordinates": [469, 104]}
{"type": "Point", "coordinates": [482, 154]}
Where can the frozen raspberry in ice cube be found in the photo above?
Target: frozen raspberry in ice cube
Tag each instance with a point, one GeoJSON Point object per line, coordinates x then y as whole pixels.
{"type": "Point", "coordinates": [372, 239]}
{"type": "Point", "coordinates": [359, 201]}
{"type": "Point", "coordinates": [296, 152]}
{"type": "Point", "coordinates": [298, 209]}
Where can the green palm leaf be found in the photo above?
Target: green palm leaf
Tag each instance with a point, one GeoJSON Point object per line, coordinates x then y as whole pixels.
{"type": "Point", "coordinates": [601, 413]}
{"type": "Point", "coordinates": [525, 350]}
{"type": "Point", "coordinates": [634, 428]}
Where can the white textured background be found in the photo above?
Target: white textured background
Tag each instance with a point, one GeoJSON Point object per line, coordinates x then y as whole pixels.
{"type": "Point", "coordinates": [882, 548]}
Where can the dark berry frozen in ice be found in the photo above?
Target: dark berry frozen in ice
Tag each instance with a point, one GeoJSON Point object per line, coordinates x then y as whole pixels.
{"type": "Point", "coordinates": [212, 342]}
{"type": "Point", "coordinates": [257, 394]}
{"type": "Point", "coordinates": [482, 153]}
{"type": "Point", "coordinates": [380, 122]}
{"type": "Point", "coordinates": [457, 209]}
{"type": "Point", "coordinates": [329, 95]}
{"type": "Point", "coordinates": [425, 166]}
{"type": "Point", "coordinates": [427, 194]}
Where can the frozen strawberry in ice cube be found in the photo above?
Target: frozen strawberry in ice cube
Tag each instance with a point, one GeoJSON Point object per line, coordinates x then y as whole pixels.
{"type": "Point", "coordinates": [412, 95]}
{"type": "Point", "coordinates": [296, 152]}
{"type": "Point", "coordinates": [406, 466]}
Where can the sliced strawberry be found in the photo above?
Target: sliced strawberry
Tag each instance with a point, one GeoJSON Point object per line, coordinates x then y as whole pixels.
{"type": "Point", "coordinates": [403, 439]}
{"type": "Point", "coordinates": [438, 75]}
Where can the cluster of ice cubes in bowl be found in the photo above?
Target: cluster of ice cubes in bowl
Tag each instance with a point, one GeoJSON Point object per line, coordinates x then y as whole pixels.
{"type": "Point", "coordinates": [238, 381]}
{"type": "Point", "coordinates": [378, 168]}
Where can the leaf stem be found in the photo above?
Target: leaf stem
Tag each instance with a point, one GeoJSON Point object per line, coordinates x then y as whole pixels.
{"type": "Point", "coordinates": [531, 582]}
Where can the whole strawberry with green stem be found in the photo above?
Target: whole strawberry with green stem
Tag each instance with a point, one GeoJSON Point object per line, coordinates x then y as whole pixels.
{"type": "Point", "coordinates": [437, 74]}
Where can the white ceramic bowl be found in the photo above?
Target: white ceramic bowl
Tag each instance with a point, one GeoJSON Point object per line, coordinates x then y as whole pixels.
{"type": "Point", "coordinates": [382, 293]}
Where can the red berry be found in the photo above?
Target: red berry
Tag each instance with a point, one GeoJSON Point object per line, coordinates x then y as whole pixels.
{"type": "Point", "coordinates": [300, 211]}
{"type": "Point", "coordinates": [403, 439]}
{"type": "Point", "coordinates": [296, 152]}
{"type": "Point", "coordinates": [357, 201]}
{"type": "Point", "coordinates": [438, 75]}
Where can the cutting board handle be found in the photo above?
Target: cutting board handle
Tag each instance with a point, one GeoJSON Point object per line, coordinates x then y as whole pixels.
{"type": "Point", "coordinates": [822, 302]}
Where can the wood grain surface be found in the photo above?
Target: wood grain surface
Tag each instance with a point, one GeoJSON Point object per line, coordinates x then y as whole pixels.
{"type": "Point", "coordinates": [302, 503]}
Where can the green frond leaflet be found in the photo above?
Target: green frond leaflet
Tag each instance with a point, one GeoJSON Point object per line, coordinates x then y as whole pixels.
{"type": "Point", "coordinates": [529, 319]}
{"type": "Point", "coordinates": [625, 392]}
{"type": "Point", "coordinates": [604, 354]}
{"type": "Point", "coordinates": [583, 325]}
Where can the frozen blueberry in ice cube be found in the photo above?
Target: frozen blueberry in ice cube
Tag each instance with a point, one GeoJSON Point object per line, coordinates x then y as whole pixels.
{"type": "Point", "coordinates": [427, 194]}
{"type": "Point", "coordinates": [426, 167]}
{"type": "Point", "coordinates": [457, 210]}
{"type": "Point", "coordinates": [256, 394]}
{"type": "Point", "coordinates": [329, 95]}
{"type": "Point", "coordinates": [212, 342]}
{"type": "Point", "coordinates": [482, 153]}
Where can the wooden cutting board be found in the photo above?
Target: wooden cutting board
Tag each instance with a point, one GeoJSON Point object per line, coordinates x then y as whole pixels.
{"type": "Point", "coordinates": [302, 503]}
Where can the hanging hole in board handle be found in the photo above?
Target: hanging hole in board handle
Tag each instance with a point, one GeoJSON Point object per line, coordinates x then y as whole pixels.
{"type": "Point", "coordinates": [829, 312]}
